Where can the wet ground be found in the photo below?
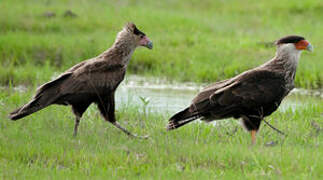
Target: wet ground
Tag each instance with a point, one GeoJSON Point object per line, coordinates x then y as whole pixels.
{"type": "Point", "coordinates": [158, 95]}
{"type": "Point", "coordinates": [162, 96]}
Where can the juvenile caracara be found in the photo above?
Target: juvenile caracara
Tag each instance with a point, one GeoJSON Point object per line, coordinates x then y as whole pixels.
{"type": "Point", "coordinates": [251, 95]}
{"type": "Point", "coordinates": [92, 81]}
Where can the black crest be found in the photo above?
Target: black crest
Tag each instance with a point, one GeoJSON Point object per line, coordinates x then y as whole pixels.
{"type": "Point", "coordinates": [138, 32]}
{"type": "Point", "coordinates": [289, 39]}
{"type": "Point", "coordinates": [135, 30]}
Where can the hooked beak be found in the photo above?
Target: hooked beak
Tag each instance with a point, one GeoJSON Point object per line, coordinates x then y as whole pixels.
{"type": "Point", "coordinates": [304, 45]}
{"type": "Point", "coordinates": [149, 45]}
{"type": "Point", "coordinates": [145, 41]}
{"type": "Point", "coordinates": [310, 48]}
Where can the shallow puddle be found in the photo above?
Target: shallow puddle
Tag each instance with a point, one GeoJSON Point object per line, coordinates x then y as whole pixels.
{"type": "Point", "coordinates": [161, 96]}
{"type": "Point", "coordinates": [158, 95]}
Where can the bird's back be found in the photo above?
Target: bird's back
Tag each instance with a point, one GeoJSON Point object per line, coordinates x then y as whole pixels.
{"type": "Point", "coordinates": [247, 93]}
{"type": "Point", "coordinates": [91, 80]}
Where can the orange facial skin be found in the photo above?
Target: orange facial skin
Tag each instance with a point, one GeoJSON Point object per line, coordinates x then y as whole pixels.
{"type": "Point", "coordinates": [301, 45]}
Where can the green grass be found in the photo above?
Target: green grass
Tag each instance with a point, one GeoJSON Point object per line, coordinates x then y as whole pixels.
{"type": "Point", "coordinates": [196, 41]}
{"type": "Point", "coordinates": [199, 41]}
{"type": "Point", "coordinates": [41, 146]}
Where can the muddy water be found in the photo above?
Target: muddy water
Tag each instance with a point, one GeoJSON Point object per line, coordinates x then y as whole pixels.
{"type": "Point", "coordinates": [164, 99]}
{"type": "Point", "coordinates": [162, 96]}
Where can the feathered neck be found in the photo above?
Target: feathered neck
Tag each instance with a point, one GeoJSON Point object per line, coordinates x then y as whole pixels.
{"type": "Point", "coordinates": [285, 62]}
{"type": "Point", "coordinates": [125, 41]}
{"type": "Point", "coordinates": [122, 49]}
{"type": "Point", "coordinates": [286, 58]}
{"type": "Point", "coordinates": [288, 53]}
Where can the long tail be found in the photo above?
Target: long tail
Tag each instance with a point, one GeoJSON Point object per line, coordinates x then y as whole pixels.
{"type": "Point", "coordinates": [46, 94]}
{"type": "Point", "coordinates": [181, 118]}
{"type": "Point", "coordinates": [26, 110]}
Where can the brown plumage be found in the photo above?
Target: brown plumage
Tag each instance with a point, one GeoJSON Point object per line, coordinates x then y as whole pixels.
{"type": "Point", "coordinates": [91, 81]}
{"type": "Point", "coordinates": [251, 95]}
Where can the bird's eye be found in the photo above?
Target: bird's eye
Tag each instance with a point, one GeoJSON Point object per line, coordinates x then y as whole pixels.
{"type": "Point", "coordinates": [141, 36]}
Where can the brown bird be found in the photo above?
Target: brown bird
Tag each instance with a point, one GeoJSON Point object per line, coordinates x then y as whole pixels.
{"type": "Point", "coordinates": [251, 95]}
{"type": "Point", "coordinates": [91, 81]}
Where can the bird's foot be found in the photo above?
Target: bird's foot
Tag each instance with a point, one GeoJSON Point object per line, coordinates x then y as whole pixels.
{"type": "Point", "coordinates": [140, 137]}
{"type": "Point", "coordinates": [74, 134]}
{"type": "Point", "coordinates": [127, 132]}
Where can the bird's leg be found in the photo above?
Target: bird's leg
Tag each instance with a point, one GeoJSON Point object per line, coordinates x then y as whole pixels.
{"type": "Point", "coordinates": [253, 137]}
{"type": "Point", "coordinates": [77, 122]}
{"type": "Point", "coordinates": [78, 110]}
{"type": "Point", "coordinates": [116, 124]}
{"type": "Point", "coordinates": [107, 109]}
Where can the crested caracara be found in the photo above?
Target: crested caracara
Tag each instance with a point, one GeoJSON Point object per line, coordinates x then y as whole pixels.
{"type": "Point", "coordinates": [91, 81]}
{"type": "Point", "coordinates": [251, 95]}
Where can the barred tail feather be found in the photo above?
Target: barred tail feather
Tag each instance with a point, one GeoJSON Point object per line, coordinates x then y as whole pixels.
{"type": "Point", "coordinates": [181, 118]}
{"type": "Point", "coordinates": [25, 110]}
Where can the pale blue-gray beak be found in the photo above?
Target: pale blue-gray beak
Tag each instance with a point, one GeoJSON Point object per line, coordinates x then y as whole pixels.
{"type": "Point", "coordinates": [149, 45]}
{"type": "Point", "coordinates": [310, 48]}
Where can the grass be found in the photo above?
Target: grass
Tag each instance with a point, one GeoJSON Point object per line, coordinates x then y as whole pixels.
{"type": "Point", "coordinates": [41, 146]}
{"type": "Point", "coordinates": [194, 41]}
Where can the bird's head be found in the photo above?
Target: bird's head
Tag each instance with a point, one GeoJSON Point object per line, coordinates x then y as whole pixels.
{"type": "Point", "coordinates": [132, 35]}
{"type": "Point", "coordinates": [294, 43]}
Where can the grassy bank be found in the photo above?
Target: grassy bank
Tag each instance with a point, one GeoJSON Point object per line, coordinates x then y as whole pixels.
{"type": "Point", "coordinates": [194, 41]}
{"type": "Point", "coordinates": [41, 146]}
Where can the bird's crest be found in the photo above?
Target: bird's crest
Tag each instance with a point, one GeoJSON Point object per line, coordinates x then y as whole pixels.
{"type": "Point", "coordinates": [289, 39]}
{"type": "Point", "coordinates": [131, 27]}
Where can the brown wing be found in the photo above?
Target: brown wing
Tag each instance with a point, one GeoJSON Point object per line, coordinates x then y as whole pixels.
{"type": "Point", "coordinates": [61, 78]}
{"type": "Point", "coordinates": [94, 77]}
{"type": "Point", "coordinates": [88, 77]}
{"type": "Point", "coordinates": [47, 93]}
{"type": "Point", "coordinates": [209, 90]}
{"type": "Point", "coordinates": [251, 89]}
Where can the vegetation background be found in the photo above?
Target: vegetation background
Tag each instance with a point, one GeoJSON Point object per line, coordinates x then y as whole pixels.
{"type": "Point", "coordinates": [198, 41]}
{"type": "Point", "coordinates": [195, 41]}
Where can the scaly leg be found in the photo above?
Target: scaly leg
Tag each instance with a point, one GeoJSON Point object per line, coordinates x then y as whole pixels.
{"type": "Point", "coordinates": [77, 122]}
{"type": "Point", "coordinates": [253, 137]}
{"type": "Point", "coordinates": [107, 108]}
{"type": "Point", "coordinates": [78, 110]}
{"type": "Point", "coordinates": [116, 124]}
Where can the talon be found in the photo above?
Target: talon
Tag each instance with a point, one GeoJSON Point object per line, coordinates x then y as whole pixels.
{"type": "Point", "coordinates": [127, 132]}
{"type": "Point", "coordinates": [141, 137]}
